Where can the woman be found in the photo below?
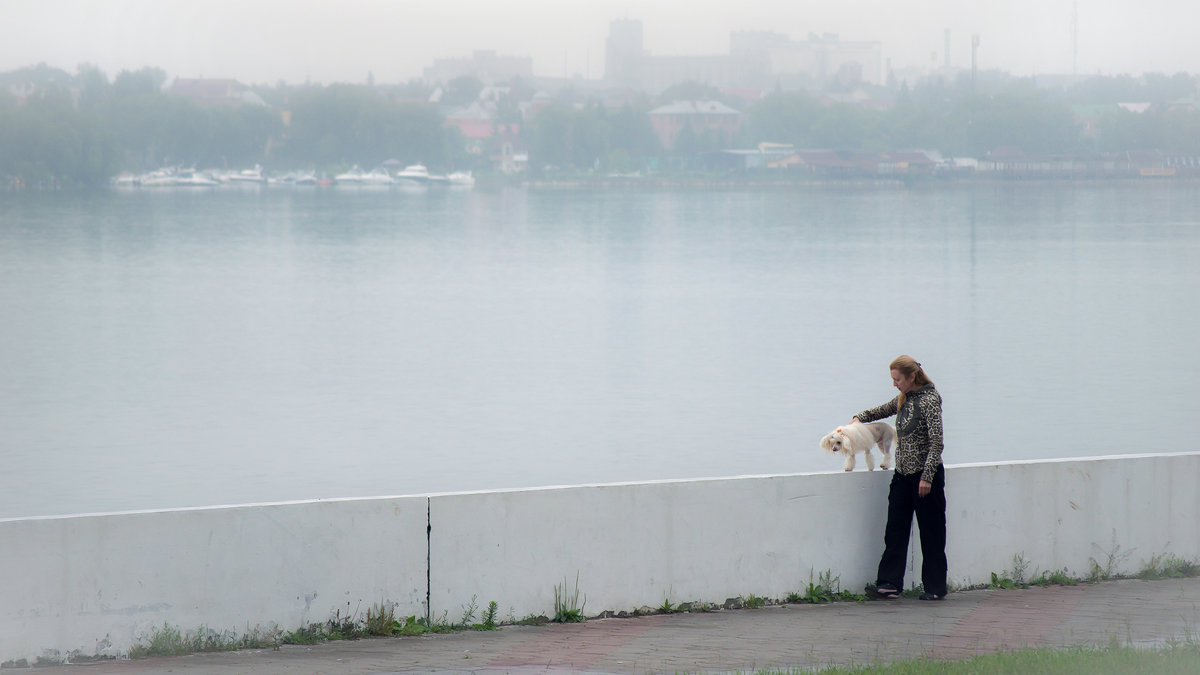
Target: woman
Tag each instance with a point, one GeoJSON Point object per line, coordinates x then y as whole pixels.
{"type": "Point", "coordinates": [918, 484]}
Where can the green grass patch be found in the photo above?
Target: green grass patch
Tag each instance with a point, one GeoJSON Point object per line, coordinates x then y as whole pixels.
{"type": "Point", "coordinates": [753, 601]}
{"type": "Point", "coordinates": [1166, 566]}
{"type": "Point", "coordinates": [1161, 566]}
{"type": "Point", "coordinates": [1179, 659]}
{"type": "Point", "coordinates": [171, 641]}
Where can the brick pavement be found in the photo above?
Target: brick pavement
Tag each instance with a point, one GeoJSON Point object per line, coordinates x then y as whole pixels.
{"type": "Point", "coordinates": [791, 636]}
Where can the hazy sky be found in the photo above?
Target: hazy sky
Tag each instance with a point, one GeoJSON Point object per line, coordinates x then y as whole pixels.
{"type": "Point", "coordinates": [264, 41]}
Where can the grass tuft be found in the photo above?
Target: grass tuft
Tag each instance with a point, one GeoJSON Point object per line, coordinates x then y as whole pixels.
{"type": "Point", "coordinates": [566, 607]}
{"type": "Point", "coordinates": [753, 601]}
{"type": "Point", "coordinates": [489, 618]}
{"type": "Point", "coordinates": [1166, 566]}
{"type": "Point", "coordinates": [827, 588]}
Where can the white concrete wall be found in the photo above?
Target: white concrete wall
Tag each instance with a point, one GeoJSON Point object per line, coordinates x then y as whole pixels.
{"type": "Point", "coordinates": [638, 544]}
{"type": "Point", "coordinates": [1066, 513]}
{"type": "Point", "coordinates": [100, 584]}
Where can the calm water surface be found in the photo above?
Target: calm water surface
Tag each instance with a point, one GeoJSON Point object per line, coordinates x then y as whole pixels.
{"type": "Point", "coordinates": [164, 349]}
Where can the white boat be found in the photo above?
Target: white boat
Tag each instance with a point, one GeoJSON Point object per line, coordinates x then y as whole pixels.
{"type": "Point", "coordinates": [357, 176]}
{"type": "Point", "coordinates": [305, 178]}
{"type": "Point", "coordinates": [157, 178]}
{"type": "Point", "coordinates": [176, 178]}
{"type": "Point", "coordinates": [460, 179]}
{"type": "Point", "coordinates": [254, 175]}
{"type": "Point", "coordinates": [418, 174]}
{"type": "Point", "coordinates": [295, 178]}
{"type": "Point", "coordinates": [352, 177]}
{"type": "Point", "coordinates": [378, 177]}
{"type": "Point", "coordinates": [189, 178]}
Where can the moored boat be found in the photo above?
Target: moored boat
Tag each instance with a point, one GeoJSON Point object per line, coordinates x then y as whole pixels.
{"type": "Point", "coordinates": [418, 174]}
{"type": "Point", "coordinates": [460, 179]}
{"type": "Point", "coordinates": [255, 176]}
{"type": "Point", "coordinates": [357, 176]}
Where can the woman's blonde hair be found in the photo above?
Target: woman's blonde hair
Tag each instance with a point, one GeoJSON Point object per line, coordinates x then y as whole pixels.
{"type": "Point", "coordinates": [909, 367]}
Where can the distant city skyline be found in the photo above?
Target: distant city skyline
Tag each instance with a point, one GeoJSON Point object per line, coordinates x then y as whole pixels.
{"type": "Point", "coordinates": [265, 41]}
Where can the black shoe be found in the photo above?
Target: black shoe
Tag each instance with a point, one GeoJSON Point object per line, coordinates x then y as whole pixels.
{"type": "Point", "coordinates": [882, 592]}
{"type": "Point", "coordinates": [932, 596]}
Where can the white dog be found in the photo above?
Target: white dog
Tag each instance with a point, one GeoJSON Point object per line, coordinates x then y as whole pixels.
{"type": "Point", "coordinates": [857, 437]}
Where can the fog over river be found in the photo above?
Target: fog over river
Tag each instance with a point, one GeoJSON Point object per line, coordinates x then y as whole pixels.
{"type": "Point", "coordinates": [176, 348]}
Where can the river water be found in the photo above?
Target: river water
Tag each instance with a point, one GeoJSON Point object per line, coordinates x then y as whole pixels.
{"type": "Point", "coordinates": [176, 348]}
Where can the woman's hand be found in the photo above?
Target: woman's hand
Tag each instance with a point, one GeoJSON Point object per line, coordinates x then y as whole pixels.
{"type": "Point", "coordinates": [923, 488]}
{"type": "Point", "coordinates": [853, 420]}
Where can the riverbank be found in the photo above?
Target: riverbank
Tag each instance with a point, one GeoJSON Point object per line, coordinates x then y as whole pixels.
{"type": "Point", "coordinates": [691, 181]}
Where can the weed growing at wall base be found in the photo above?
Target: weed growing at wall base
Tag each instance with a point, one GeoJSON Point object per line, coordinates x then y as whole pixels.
{"type": "Point", "coordinates": [1167, 566]}
{"type": "Point", "coordinates": [380, 619]}
{"type": "Point", "coordinates": [566, 607]}
{"type": "Point", "coordinates": [171, 641]}
{"type": "Point", "coordinates": [1161, 566]}
{"type": "Point", "coordinates": [827, 588]}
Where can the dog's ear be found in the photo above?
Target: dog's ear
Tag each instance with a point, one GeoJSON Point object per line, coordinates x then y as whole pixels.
{"type": "Point", "coordinates": [827, 442]}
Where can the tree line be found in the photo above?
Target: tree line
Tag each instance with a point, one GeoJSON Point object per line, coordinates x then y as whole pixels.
{"type": "Point", "coordinates": [81, 129]}
{"type": "Point", "coordinates": [84, 132]}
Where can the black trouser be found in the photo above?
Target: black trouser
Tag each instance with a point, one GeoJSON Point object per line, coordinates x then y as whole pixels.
{"type": "Point", "coordinates": [903, 502]}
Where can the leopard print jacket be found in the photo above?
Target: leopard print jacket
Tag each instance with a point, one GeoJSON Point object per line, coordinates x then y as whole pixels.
{"type": "Point", "coordinates": [918, 429]}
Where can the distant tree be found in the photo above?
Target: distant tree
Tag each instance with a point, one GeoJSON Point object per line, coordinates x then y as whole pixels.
{"type": "Point", "coordinates": [1161, 89]}
{"type": "Point", "coordinates": [845, 127]}
{"type": "Point", "coordinates": [549, 137]}
{"type": "Point", "coordinates": [689, 91]}
{"type": "Point", "coordinates": [139, 82]}
{"type": "Point", "coordinates": [1149, 88]}
{"type": "Point", "coordinates": [47, 141]}
{"type": "Point", "coordinates": [786, 117]}
{"type": "Point", "coordinates": [630, 131]}
{"type": "Point", "coordinates": [589, 137]}
{"type": "Point", "coordinates": [1174, 131]}
{"type": "Point", "coordinates": [419, 136]}
{"type": "Point", "coordinates": [345, 124]}
{"type": "Point", "coordinates": [462, 90]}
{"type": "Point", "coordinates": [1029, 121]}
{"type": "Point", "coordinates": [94, 88]}
{"type": "Point", "coordinates": [567, 95]}
{"type": "Point", "coordinates": [910, 125]}
{"type": "Point", "coordinates": [519, 89]}
{"type": "Point", "coordinates": [413, 89]}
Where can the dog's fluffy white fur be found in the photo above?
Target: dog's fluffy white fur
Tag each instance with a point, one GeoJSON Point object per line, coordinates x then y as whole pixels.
{"type": "Point", "coordinates": [851, 439]}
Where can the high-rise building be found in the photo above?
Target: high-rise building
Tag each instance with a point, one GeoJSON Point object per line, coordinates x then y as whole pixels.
{"type": "Point", "coordinates": [624, 55]}
{"type": "Point", "coordinates": [755, 59]}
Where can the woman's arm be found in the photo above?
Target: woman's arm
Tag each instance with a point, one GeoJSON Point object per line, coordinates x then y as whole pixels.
{"type": "Point", "coordinates": [878, 412]}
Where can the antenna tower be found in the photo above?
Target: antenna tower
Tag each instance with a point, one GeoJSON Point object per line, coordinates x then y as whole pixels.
{"type": "Point", "coordinates": [974, 49]}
